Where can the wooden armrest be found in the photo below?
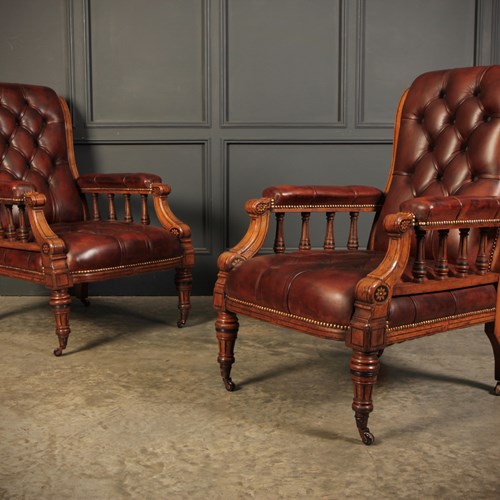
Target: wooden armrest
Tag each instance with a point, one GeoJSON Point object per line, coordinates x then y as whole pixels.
{"type": "Point", "coordinates": [49, 242]}
{"type": "Point", "coordinates": [259, 211]}
{"type": "Point", "coordinates": [13, 191]}
{"type": "Point", "coordinates": [454, 211]}
{"type": "Point", "coordinates": [165, 215]}
{"type": "Point", "coordinates": [335, 198]}
{"type": "Point", "coordinates": [117, 183]}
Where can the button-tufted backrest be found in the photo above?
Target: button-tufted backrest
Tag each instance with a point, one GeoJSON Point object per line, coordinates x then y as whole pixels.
{"type": "Point", "coordinates": [448, 140]}
{"type": "Point", "coordinates": [33, 148]}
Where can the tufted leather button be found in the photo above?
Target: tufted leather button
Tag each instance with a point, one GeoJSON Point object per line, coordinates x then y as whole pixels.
{"type": "Point", "coordinates": [442, 94]}
{"type": "Point", "coordinates": [476, 92]}
{"type": "Point", "coordinates": [431, 147]}
{"type": "Point", "coordinates": [465, 147]}
{"type": "Point", "coordinates": [453, 120]}
{"type": "Point", "coordinates": [487, 118]}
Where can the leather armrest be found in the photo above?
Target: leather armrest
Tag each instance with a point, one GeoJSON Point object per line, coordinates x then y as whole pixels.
{"type": "Point", "coordinates": [326, 196]}
{"type": "Point", "coordinates": [117, 182]}
{"type": "Point", "coordinates": [14, 191]}
{"type": "Point", "coordinates": [435, 210]}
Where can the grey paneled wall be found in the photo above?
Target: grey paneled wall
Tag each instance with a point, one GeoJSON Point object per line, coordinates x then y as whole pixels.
{"type": "Point", "coordinates": [283, 63]}
{"type": "Point", "coordinates": [224, 97]}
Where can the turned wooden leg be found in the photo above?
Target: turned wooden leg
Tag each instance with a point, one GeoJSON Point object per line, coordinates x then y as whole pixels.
{"type": "Point", "coordinates": [184, 284]}
{"type": "Point", "coordinates": [364, 370]}
{"type": "Point", "coordinates": [60, 301]}
{"type": "Point", "coordinates": [82, 293]}
{"type": "Point", "coordinates": [489, 328]}
{"type": "Point", "coordinates": [226, 327]}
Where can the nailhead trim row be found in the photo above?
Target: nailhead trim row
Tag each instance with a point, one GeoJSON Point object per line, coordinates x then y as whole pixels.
{"type": "Point", "coordinates": [277, 207]}
{"type": "Point", "coordinates": [437, 320]}
{"type": "Point", "coordinates": [125, 266]}
{"type": "Point", "coordinates": [289, 315]}
{"type": "Point", "coordinates": [7, 201]}
{"type": "Point", "coordinates": [453, 222]}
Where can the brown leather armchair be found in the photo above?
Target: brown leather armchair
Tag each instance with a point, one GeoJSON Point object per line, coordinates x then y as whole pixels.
{"type": "Point", "coordinates": [432, 262]}
{"type": "Point", "coordinates": [49, 236]}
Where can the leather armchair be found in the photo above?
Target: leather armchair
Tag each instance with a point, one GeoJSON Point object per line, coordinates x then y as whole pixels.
{"type": "Point", "coordinates": [432, 260]}
{"type": "Point", "coordinates": [48, 234]}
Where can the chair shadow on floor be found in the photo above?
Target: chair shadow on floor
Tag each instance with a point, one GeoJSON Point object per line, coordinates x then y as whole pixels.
{"type": "Point", "coordinates": [102, 315]}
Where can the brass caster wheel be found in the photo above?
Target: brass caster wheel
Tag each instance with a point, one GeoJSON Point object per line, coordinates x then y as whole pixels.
{"type": "Point", "coordinates": [181, 323]}
{"type": "Point", "coordinates": [229, 385]}
{"type": "Point", "coordinates": [58, 352]}
{"type": "Point", "coordinates": [367, 438]}
{"type": "Point", "coordinates": [496, 390]}
{"type": "Point", "coordinates": [85, 302]}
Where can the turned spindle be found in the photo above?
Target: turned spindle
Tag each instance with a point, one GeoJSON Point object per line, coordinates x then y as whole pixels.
{"type": "Point", "coordinates": [305, 241]}
{"type": "Point", "coordinates": [22, 231]}
{"type": "Point", "coordinates": [96, 215]}
{"type": "Point", "coordinates": [11, 229]}
{"type": "Point", "coordinates": [352, 242]}
{"type": "Point", "coordinates": [462, 265]}
{"type": "Point", "coordinates": [419, 264]}
{"type": "Point", "coordinates": [144, 211]}
{"type": "Point", "coordinates": [111, 207]}
{"type": "Point", "coordinates": [128, 211]}
{"type": "Point", "coordinates": [441, 266]}
{"type": "Point", "coordinates": [329, 243]}
{"type": "Point", "coordinates": [482, 257]}
{"type": "Point", "coordinates": [279, 240]}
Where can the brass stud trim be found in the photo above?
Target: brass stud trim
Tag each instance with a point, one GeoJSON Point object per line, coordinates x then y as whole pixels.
{"type": "Point", "coordinates": [8, 201]}
{"type": "Point", "coordinates": [493, 248]}
{"type": "Point", "coordinates": [437, 320]}
{"type": "Point", "coordinates": [458, 222]}
{"type": "Point", "coordinates": [288, 315]}
{"type": "Point", "coordinates": [353, 206]}
{"type": "Point", "coordinates": [126, 266]}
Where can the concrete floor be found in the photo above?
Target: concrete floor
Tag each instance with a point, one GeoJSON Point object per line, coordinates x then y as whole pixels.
{"type": "Point", "coordinates": [136, 409]}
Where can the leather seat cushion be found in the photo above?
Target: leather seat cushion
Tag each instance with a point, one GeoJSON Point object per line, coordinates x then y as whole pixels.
{"type": "Point", "coordinates": [95, 246]}
{"type": "Point", "coordinates": [320, 285]}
